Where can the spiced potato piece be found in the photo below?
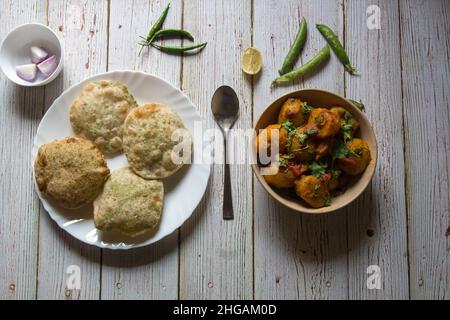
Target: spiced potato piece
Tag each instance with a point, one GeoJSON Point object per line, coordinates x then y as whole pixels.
{"type": "Point", "coordinates": [349, 125]}
{"type": "Point", "coordinates": [333, 182]}
{"type": "Point", "coordinates": [324, 148]}
{"type": "Point", "coordinates": [302, 146]}
{"type": "Point", "coordinates": [292, 110]}
{"type": "Point", "coordinates": [313, 190]}
{"type": "Point", "coordinates": [264, 139]}
{"type": "Point", "coordinates": [282, 179]}
{"type": "Point", "coordinates": [326, 123]}
{"type": "Point", "coordinates": [358, 157]}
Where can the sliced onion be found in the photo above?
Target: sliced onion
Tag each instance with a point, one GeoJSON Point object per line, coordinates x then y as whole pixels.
{"type": "Point", "coordinates": [38, 54]}
{"type": "Point", "coordinates": [48, 66]}
{"type": "Point", "coordinates": [27, 71]}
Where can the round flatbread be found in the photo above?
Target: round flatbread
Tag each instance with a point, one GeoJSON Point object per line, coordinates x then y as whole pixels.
{"type": "Point", "coordinates": [99, 112]}
{"type": "Point", "coordinates": [72, 171]}
{"type": "Point", "coordinates": [155, 141]}
{"type": "Point", "coordinates": [129, 203]}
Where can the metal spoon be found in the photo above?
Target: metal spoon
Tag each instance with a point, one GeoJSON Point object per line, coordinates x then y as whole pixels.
{"type": "Point", "coordinates": [225, 108]}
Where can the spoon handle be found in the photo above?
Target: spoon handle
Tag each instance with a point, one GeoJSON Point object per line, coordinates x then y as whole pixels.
{"type": "Point", "coordinates": [227, 195]}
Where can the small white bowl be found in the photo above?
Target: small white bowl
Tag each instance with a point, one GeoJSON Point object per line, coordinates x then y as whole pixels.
{"type": "Point", "coordinates": [15, 50]}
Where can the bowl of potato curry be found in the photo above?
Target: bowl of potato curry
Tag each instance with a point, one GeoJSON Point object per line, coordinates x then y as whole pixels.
{"type": "Point", "coordinates": [315, 151]}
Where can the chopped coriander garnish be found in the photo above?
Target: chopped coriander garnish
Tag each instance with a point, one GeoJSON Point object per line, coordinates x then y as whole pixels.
{"type": "Point", "coordinates": [346, 126]}
{"type": "Point", "coordinates": [347, 136]}
{"type": "Point", "coordinates": [318, 169]}
{"type": "Point", "coordinates": [306, 109]}
{"type": "Point", "coordinates": [319, 119]}
{"type": "Point", "coordinates": [282, 162]}
{"type": "Point", "coordinates": [283, 159]}
{"type": "Point", "coordinates": [347, 116]}
{"type": "Point", "coordinates": [311, 132]}
{"type": "Point", "coordinates": [302, 137]}
{"type": "Point", "coordinates": [289, 126]}
{"type": "Point", "coordinates": [315, 193]}
{"type": "Point", "coordinates": [312, 150]}
{"type": "Point", "coordinates": [339, 151]}
{"type": "Point", "coordinates": [327, 200]}
{"type": "Point", "coordinates": [335, 173]}
{"type": "Point", "coordinates": [355, 153]}
{"type": "Point", "coordinates": [289, 139]}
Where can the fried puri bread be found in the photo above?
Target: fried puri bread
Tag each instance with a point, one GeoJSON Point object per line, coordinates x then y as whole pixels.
{"type": "Point", "coordinates": [72, 171]}
{"type": "Point", "coordinates": [99, 112]}
{"type": "Point", "coordinates": [129, 203]}
{"type": "Point", "coordinates": [150, 141]}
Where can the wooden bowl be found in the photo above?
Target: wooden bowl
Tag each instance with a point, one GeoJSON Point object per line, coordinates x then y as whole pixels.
{"type": "Point", "coordinates": [319, 98]}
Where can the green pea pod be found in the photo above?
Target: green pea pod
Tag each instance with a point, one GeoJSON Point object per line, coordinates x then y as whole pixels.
{"type": "Point", "coordinates": [359, 104]}
{"type": "Point", "coordinates": [294, 51]}
{"type": "Point", "coordinates": [179, 49]}
{"type": "Point", "coordinates": [309, 66]}
{"type": "Point", "coordinates": [337, 47]}
{"type": "Point", "coordinates": [156, 27]}
{"type": "Point", "coordinates": [173, 32]}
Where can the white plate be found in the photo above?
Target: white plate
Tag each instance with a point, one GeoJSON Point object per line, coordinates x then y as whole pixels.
{"type": "Point", "coordinates": [183, 191]}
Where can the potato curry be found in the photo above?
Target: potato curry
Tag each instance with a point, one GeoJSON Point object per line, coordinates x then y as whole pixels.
{"type": "Point", "coordinates": [317, 151]}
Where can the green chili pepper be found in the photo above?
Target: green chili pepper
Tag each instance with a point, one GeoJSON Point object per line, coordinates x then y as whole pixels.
{"type": "Point", "coordinates": [156, 27]}
{"type": "Point", "coordinates": [296, 47]}
{"type": "Point", "coordinates": [179, 49]}
{"type": "Point", "coordinates": [309, 66]}
{"type": "Point", "coordinates": [337, 47]}
{"type": "Point", "coordinates": [173, 32]}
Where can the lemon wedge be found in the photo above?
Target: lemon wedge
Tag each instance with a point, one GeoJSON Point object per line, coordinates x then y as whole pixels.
{"type": "Point", "coordinates": [251, 61]}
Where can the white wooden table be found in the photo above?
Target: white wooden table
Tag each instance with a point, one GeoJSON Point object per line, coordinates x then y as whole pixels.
{"type": "Point", "coordinates": [401, 223]}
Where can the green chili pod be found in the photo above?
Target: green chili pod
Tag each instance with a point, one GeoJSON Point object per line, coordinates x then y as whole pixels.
{"type": "Point", "coordinates": [294, 51]}
{"type": "Point", "coordinates": [156, 27]}
{"type": "Point", "coordinates": [309, 66]}
{"type": "Point", "coordinates": [337, 47]}
{"type": "Point", "coordinates": [173, 32]}
{"type": "Point", "coordinates": [179, 49]}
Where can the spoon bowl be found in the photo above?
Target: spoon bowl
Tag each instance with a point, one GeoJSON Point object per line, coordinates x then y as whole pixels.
{"type": "Point", "coordinates": [225, 107]}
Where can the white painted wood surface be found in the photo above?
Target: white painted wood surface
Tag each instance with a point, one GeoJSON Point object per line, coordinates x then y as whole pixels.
{"type": "Point", "coordinates": [83, 27]}
{"type": "Point", "coordinates": [216, 255]}
{"type": "Point", "coordinates": [20, 111]}
{"type": "Point", "coordinates": [268, 252]}
{"type": "Point", "coordinates": [377, 221]}
{"type": "Point", "coordinates": [426, 108]}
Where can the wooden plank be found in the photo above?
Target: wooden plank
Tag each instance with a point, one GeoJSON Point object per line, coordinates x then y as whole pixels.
{"type": "Point", "coordinates": [82, 26]}
{"type": "Point", "coordinates": [150, 272]}
{"type": "Point", "coordinates": [215, 255]}
{"type": "Point", "coordinates": [297, 256]}
{"type": "Point", "coordinates": [19, 206]}
{"type": "Point", "coordinates": [377, 221]}
{"type": "Point", "coordinates": [426, 106]}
